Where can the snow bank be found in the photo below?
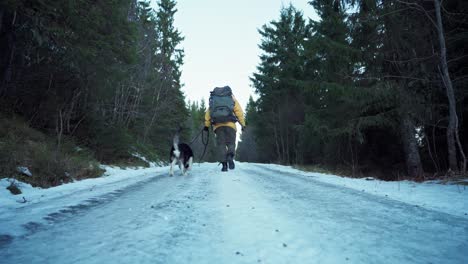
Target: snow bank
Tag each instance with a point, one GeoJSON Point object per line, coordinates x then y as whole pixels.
{"type": "Point", "coordinates": [113, 179]}
{"type": "Point", "coordinates": [447, 198]}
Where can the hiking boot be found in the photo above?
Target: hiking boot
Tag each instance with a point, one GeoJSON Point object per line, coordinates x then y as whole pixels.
{"type": "Point", "coordinates": [231, 162]}
{"type": "Point", "coordinates": [225, 168]}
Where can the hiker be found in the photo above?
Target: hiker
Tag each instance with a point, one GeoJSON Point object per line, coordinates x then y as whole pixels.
{"type": "Point", "coordinates": [223, 113]}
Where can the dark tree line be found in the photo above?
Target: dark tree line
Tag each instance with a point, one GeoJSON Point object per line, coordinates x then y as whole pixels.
{"type": "Point", "coordinates": [104, 73]}
{"type": "Point", "coordinates": [372, 87]}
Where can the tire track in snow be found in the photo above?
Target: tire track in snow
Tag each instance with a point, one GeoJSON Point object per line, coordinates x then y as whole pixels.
{"type": "Point", "coordinates": [345, 221]}
{"type": "Point", "coordinates": [42, 222]}
{"type": "Point", "coordinates": [141, 225]}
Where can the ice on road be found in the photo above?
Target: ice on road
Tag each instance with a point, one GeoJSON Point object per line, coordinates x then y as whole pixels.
{"type": "Point", "coordinates": [254, 214]}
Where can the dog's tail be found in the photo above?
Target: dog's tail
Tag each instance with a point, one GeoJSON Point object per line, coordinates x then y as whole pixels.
{"type": "Point", "coordinates": [176, 139]}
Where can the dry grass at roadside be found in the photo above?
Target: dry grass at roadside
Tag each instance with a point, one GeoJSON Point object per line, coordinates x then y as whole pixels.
{"type": "Point", "coordinates": [22, 146]}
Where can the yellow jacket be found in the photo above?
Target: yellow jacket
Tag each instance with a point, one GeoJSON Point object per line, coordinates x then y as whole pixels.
{"type": "Point", "coordinates": [237, 112]}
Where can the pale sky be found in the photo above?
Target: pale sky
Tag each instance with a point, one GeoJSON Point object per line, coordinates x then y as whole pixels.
{"type": "Point", "coordinates": [221, 42]}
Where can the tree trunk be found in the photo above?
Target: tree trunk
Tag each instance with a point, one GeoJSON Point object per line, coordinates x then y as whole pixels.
{"type": "Point", "coordinates": [59, 131]}
{"type": "Point", "coordinates": [155, 113]}
{"type": "Point", "coordinates": [1, 20]}
{"type": "Point", "coordinates": [428, 143]}
{"type": "Point", "coordinates": [282, 141]}
{"type": "Point", "coordinates": [353, 158]}
{"type": "Point", "coordinates": [413, 160]}
{"type": "Point", "coordinates": [452, 128]}
{"type": "Point", "coordinates": [132, 11]}
{"type": "Point", "coordinates": [8, 72]}
{"type": "Point", "coordinates": [11, 47]}
{"type": "Point", "coordinates": [277, 143]}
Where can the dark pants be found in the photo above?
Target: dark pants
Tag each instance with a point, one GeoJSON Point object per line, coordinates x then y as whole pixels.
{"type": "Point", "coordinates": [225, 142]}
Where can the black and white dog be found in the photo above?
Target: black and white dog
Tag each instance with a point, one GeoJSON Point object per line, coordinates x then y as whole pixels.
{"type": "Point", "coordinates": [181, 154]}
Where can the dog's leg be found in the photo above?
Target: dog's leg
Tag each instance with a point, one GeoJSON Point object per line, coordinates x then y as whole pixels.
{"type": "Point", "coordinates": [174, 161]}
{"type": "Point", "coordinates": [190, 163]}
{"type": "Point", "coordinates": [181, 166]}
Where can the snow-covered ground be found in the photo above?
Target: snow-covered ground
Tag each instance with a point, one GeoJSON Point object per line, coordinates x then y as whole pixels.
{"type": "Point", "coordinates": [448, 198]}
{"type": "Point", "coordinates": [40, 202]}
{"type": "Point", "coordinates": [255, 214]}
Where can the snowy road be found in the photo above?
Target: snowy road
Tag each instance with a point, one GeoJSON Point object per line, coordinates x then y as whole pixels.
{"type": "Point", "coordinates": [254, 214]}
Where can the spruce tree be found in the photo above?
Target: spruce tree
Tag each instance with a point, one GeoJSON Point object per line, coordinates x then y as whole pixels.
{"type": "Point", "coordinates": [166, 105]}
{"type": "Point", "coordinates": [277, 82]}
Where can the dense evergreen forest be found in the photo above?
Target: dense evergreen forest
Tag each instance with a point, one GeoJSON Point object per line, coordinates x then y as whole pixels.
{"type": "Point", "coordinates": [86, 81]}
{"type": "Point", "coordinates": [373, 87]}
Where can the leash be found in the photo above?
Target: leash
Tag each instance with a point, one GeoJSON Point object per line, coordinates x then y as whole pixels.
{"type": "Point", "coordinates": [197, 136]}
{"type": "Point", "coordinates": [205, 141]}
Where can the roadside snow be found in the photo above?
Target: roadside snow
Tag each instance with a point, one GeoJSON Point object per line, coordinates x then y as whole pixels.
{"type": "Point", "coordinates": [151, 163]}
{"type": "Point", "coordinates": [447, 198]}
{"type": "Point", "coordinates": [24, 170]}
{"type": "Point", "coordinates": [42, 201]}
{"type": "Point", "coordinates": [112, 179]}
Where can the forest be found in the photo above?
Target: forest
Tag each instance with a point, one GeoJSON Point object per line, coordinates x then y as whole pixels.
{"type": "Point", "coordinates": [372, 88]}
{"type": "Point", "coordinates": [83, 82]}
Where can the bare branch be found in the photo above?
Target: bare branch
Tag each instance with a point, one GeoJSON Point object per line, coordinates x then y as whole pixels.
{"type": "Point", "coordinates": [458, 58]}
{"type": "Point", "coordinates": [412, 60]}
{"type": "Point", "coordinates": [450, 13]}
{"type": "Point", "coordinates": [420, 8]}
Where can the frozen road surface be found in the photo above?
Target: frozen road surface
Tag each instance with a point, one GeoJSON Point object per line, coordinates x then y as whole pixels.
{"type": "Point", "coordinates": [254, 214]}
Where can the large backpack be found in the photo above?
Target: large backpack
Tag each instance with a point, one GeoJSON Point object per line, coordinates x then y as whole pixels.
{"type": "Point", "coordinates": [222, 105]}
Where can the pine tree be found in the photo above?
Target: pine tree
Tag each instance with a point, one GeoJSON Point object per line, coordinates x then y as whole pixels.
{"type": "Point", "coordinates": [277, 83]}
{"type": "Point", "coordinates": [332, 121]}
{"type": "Point", "coordinates": [164, 101]}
